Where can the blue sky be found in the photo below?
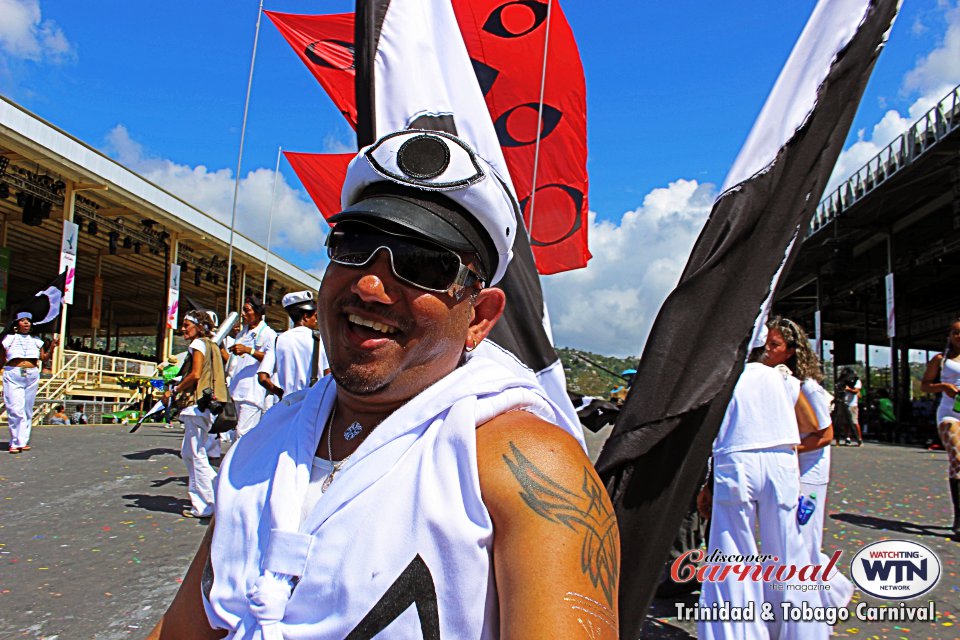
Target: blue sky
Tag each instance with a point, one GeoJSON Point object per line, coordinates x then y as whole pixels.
{"type": "Point", "coordinates": [673, 88]}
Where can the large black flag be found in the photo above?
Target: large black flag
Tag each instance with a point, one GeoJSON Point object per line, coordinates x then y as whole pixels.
{"type": "Point", "coordinates": [44, 307]}
{"type": "Point", "coordinates": [656, 456]}
{"type": "Point", "coordinates": [413, 72]}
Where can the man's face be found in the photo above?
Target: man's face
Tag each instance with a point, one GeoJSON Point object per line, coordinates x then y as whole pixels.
{"type": "Point", "coordinates": [24, 325]}
{"type": "Point", "coordinates": [391, 339]}
{"type": "Point", "coordinates": [310, 320]}
{"type": "Point", "coordinates": [250, 317]}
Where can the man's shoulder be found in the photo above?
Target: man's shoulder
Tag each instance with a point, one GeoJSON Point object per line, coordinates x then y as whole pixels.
{"type": "Point", "coordinates": [517, 446]}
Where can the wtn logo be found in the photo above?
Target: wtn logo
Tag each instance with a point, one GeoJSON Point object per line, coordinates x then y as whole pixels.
{"type": "Point", "coordinates": [903, 570]}
{"type": "Point", "coordinates": [895, 569]}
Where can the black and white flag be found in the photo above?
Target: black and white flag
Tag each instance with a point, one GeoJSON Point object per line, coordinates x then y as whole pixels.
{"type": "Point", "coordinates": [44, 307]}
{"type": "Point", "coordinates": [414, 72]}
{"type": "Point", "coordinates": [654, 460]}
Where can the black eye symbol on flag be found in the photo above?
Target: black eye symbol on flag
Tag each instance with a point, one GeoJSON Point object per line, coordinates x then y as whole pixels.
{"type": "Point", "coordinates": [335, 54]}
{"type": "Point", "coordinates": [486, 75]}
{"type": "Point", "coordinates": [522, 17]}
{"type": "Point", "coordinates": [556, 213]}
{"type": "Point", "coordinates": [551, 117]}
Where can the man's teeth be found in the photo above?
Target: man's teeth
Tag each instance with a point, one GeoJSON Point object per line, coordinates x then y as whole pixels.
{"type": "Point", "coordinates": [372, 324]}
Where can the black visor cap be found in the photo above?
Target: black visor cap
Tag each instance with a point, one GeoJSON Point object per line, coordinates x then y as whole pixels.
{"type": "Point", "coordinates": [430, 215]}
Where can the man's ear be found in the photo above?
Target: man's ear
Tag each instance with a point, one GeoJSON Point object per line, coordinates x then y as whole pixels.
{"type": "Point", "coordinates": [487, 310]}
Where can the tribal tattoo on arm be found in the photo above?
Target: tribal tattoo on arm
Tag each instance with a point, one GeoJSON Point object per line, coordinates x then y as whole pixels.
{"type": "Point", "coordinates": [583, 511]}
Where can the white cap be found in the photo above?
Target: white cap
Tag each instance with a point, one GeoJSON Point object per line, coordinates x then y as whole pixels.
{"type": "Point", "coordinates": [438, 162]}
{"type": "Point", "coordinates": [299, 298]}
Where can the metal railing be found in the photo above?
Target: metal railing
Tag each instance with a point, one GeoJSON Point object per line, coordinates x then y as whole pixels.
{"type": "Point", "coordinates": [88, 370]}
{"type": "Point", "coordinates": [937, 123]}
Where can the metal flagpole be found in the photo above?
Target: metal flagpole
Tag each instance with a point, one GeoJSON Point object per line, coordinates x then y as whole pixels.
{"type": "Point", "coordinates": [236, 183]}
{"type": "Point", "coordinates": [273, 202]}
{"type": "Point", "coordinates": [536, 151]}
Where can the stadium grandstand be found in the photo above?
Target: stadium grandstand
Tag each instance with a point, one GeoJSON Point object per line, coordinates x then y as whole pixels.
{"type": "Point", "coordinates": [131, 232]}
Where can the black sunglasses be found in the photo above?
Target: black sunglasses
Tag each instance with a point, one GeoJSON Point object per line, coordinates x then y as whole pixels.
{"type": "Point", "coordinates": [416, 261]}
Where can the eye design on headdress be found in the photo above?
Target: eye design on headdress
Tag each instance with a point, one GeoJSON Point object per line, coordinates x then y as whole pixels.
{"type": "Point", "coordinates": [432, 160]}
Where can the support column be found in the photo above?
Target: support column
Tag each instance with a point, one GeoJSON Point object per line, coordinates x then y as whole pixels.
{"type": "Point", "coordinates": [866, 345]}
{"type": "Point", "coordinates": [894, 355]}
{"type": "Point", "coordinates": [69, 200]}
{"type": "Point", "coordinates": [242, 281]}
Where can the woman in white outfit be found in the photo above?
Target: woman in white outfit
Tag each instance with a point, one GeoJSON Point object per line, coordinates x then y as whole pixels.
{"type": "Point", "coordinates": [943, 376]}
{"type": "Point", "coordinates": [787, 345]}
{"type": "Point", "coordinates": [757, 485]}
{"type": "Point", "coordinates": [22, 355]}
{"type": "Point", "coordinates": [197, 325]}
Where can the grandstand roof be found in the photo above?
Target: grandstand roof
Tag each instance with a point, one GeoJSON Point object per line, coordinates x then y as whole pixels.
{"type": "Point", "coordinates": [44, 161]}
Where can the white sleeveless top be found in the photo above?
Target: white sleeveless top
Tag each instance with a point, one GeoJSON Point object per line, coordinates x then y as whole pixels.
{"type": "Point", "coordinates": [403, 522]}
{"type": "Point", "coordinates": [949, 374]}
{"type": "Point", "coordinates": [18, 345]}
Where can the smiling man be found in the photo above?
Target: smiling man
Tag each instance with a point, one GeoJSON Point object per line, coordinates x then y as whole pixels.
{"type": "Point", "coordinates": [422, 490]}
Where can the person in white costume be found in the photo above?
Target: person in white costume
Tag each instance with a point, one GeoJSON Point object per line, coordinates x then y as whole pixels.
{"type": "Point", "coordinates": [418, 472]}
{"type": "Point", "coordinates": [291, 363]}
{"type": "Point", "coordinates": [943, 376]}
{"type": "Point", "coordinates": [756, 481]}
{"type": "Point", "coordinates": [788, 345]}
{"type": "Point", "coordinates": [196, 328]}
{"type": "Point", "coordinates": [255, 339]}
{"type": "Point", "coordinates": [21, 357]}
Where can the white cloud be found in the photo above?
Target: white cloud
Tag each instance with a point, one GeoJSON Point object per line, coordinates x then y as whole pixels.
{"type": "Point", "coordinates": [939, 71]}
{"type": "Point", "coordinates": [25, 34]}
{"type": "Point", "coordinates": [297, 224]}
{"type": "Point", "coordinates": [610, 306]}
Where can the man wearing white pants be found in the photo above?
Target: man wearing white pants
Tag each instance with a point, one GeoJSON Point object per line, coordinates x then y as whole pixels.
{"type": "Point", "coordinates": [756, 481]}
{"type": "Point", "coordinates": [254, 341]}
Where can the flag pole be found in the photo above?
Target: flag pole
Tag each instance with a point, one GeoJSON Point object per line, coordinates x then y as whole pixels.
{"type": "Point", "coordinates": [536, 150]}
{"type": "Point", "coordinates": [273, 202]}
{"type": "Point", "coordinates": [236, 182]}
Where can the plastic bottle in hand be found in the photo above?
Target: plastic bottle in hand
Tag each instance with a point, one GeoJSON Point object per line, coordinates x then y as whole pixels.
{"type": "Point", "coordinates": [806, 508]}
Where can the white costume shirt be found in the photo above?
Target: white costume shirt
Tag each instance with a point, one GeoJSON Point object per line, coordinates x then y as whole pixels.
{"type": "Point", "coordinates": [815, 465]}
{"type": "Point", "coordinates": [243, 369]}
{"type": "Point", "coordinates": [949, 374]}
{"type": "Point", "coordinates": [761, 410]}
{"type": "Point", "coordinates": [853, 399]}
{"type": "Point", "coordinates": [18, 345]}
{"type": "Point", "coordinates": [294, 359]}
{"type": "Point", "coordinates": [403, 520]}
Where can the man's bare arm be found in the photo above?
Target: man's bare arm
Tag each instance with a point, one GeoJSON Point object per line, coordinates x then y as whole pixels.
{"type": "Point", "coordinates": [185, 619]}
{"type": "Point", "coordinates": [556, 542]}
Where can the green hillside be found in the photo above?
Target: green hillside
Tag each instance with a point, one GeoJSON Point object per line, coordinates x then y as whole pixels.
{"type": "Point", "coordinates": [588, 379]}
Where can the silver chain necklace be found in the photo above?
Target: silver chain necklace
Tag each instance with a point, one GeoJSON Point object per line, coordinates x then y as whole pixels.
{"type": "Point", "coordinates": [336, 465]}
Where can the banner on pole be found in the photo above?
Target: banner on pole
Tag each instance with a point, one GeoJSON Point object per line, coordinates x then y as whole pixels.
{"type": "Point", "coordinates": [818, 329]}
{"type": "Point", "coordinates": [891, 312]}
{"type": "Point", "coordinates": [96, 303]}
{"type": "Point", "coordinates": [68, 258]}
{"type": "Point", "coordinates": [173, 297]}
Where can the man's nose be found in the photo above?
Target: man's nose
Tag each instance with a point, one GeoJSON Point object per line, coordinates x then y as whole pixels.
{"type": "Point", "coordinates": [376, 277]}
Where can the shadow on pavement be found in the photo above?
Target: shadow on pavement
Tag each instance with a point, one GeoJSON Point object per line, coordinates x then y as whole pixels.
{"type": "Point", "coordinates": [882, 524]}
{"type": "Point", "coordinates": [150, 453]}
{"type": "Point", "coordinates": [181, 480]}
{"type": "Point", "coordinates": [163, 504]}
